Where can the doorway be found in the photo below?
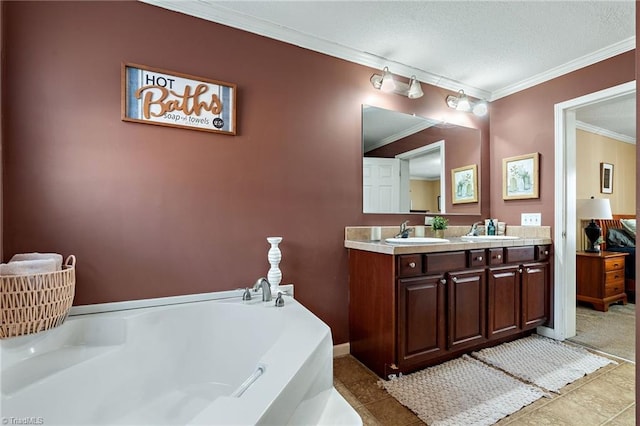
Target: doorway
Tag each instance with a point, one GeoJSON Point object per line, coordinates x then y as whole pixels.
{"type": "Point", "coordinates": [564, 234]}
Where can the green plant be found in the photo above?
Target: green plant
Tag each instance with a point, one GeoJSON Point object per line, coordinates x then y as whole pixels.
{"type": "Point", "coordinates": [439, 222]}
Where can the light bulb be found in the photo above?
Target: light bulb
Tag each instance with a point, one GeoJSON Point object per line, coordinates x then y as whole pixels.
{"type": "Point", "coordinates": [480, 108]}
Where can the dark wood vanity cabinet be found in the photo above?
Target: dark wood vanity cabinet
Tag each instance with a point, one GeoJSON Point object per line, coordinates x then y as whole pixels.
{"type": "Point", "coordinates": [421, 319]}
{"type": "Point", "coordinates": [467, 307]}
{"type": "Point", "coordinates": [518, 298]}
{"type": "Point", "coordinates": [535, 294]}
{"type": "Point", "coordinates": [413, 310]}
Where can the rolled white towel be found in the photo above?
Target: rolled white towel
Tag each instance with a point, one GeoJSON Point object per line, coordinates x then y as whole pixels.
{"type": "Point", "coordinates": [39, 256]}
{"type": "Point", "coordinates": [28, 267]}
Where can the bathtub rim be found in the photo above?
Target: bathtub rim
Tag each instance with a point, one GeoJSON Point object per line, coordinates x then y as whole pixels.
{"type": "Point", "coordinates": [126, 305]}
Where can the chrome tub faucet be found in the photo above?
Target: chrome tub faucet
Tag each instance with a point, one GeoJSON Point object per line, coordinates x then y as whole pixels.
{"type": "Point", "coordinates": [263, 284]}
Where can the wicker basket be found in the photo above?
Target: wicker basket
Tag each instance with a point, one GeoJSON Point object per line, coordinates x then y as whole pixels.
{"type": "Point", "coordinates": [38, 302]}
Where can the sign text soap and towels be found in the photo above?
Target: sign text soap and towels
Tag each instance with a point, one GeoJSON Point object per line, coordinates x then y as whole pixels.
{"type": "Point", "coordinates": [166, 98]}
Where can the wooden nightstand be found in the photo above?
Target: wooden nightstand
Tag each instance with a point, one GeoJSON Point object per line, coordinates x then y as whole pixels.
{"type": "Point", "coordinates": [600, 278]}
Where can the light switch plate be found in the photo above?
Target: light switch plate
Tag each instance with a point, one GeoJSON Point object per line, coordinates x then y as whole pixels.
{"type": "Point", "coordinates": [531, 219]}
{"type": "Point", "coordinates": [428, 220]}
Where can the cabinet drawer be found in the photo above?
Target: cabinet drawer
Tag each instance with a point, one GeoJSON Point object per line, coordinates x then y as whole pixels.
{"type": "Point", "coordinates": [477, 258]}
{"type": "Point", "coordinates": [410, 265]}
{"type": "Point", "coordinates": [613, 263]}
{"type": "Point", "coordinates": [496, 256]}
{"type": "Point", "coordinates": [519, 254]}
{"type": "Point", "coordinates": [614, 288]}
{"type": "Point", "coordinates": [612, 276]}
{"type": "Point", "coordinates": [445, 262]}
{"type": "Point", "coordinates": [543, 252]}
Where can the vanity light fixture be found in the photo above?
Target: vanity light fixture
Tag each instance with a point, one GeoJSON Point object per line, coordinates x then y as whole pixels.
{"type": "Point", "coordinates": [388, 84]}
{"type": "Point", "coordinates": [461, 102]}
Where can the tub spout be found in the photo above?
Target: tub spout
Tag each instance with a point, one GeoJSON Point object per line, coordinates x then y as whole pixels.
{"type": "Point", "coordinates": [263, 284]}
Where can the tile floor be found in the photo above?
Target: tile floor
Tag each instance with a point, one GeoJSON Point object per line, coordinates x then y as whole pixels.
{"type": "Point", "coordinates": [606, 396]}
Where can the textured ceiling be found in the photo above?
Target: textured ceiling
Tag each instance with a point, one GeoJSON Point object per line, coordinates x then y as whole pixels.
{"type": "Point", "coordinates": [489, 48]}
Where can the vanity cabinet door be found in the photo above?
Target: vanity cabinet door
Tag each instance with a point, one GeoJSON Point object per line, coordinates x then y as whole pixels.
{"type": "Point", "coordinates": [421, 319]}
{"type": "Point", "coordinates": [466, 291]}
{"type": "Point", "coordinates": [535, 294]}
{"type": "Point", "coordinates": [503, 294]}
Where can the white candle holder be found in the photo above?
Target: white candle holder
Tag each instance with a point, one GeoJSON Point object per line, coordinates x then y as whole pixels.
{"type": "Point", "coordinates": [274, 276]}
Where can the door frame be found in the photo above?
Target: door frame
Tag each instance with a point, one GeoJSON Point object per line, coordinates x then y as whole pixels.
{"type": "Point", "coordinates": [564, 235]}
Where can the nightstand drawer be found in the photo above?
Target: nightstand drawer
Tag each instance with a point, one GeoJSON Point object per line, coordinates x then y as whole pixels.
{"type": "Point", "coordinates": [614, 288]}
{"type": "Point", "coordinates": [613, 263]}
{"type": "Point", "coordinates": [612, 276]}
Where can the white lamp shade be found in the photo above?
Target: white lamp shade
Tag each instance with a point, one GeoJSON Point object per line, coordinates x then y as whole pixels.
{"type": "Point", "coordinates": [594, 208]}
{"type": "Point", "coordinates": [388, 85]}
{"type": "Point", "coordinates": [415, 90]}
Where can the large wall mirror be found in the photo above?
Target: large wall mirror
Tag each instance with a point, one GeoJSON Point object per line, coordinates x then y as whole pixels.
{"type": "Point", "coordinates": [419, 165]}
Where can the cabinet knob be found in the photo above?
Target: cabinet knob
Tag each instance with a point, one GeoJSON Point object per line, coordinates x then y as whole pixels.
{"type": "Point", "coordinates": [528, 270]}
{"type": "Point", "coordinates": [546, 252]}
{"type": "Point", "coordinates": [479, 258]}
{"type": "Point", "coordinates": [616, 265]}
{"type": "Point", "coordinates": [412, 265]}
{"type": "Point", "coordinates": [443, 281]}
{"type": "Point", "coordinates": [499, 257]}
{"type": "Point", "coordinates": [454, 279]}
{"type": "Point", "coordinates": [520, 270]}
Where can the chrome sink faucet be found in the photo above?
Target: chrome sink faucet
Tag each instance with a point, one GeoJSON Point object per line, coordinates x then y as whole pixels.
{"type": "Point", "coordinates": [404, 231]}
{"type": "Point", "coordinates": [263, 284]}
{"type": "Point", "coordinates": [473, 232]}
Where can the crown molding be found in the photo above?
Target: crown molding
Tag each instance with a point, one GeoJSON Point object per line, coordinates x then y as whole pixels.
{"type": "Point", "coordinates": [402, 134]}
{"type": "Point", "coordinates": [604, 132]}
{"type": "Point", "coordinates": [576, 64]}
{"type": "Point", "coordinates": [216, 12]}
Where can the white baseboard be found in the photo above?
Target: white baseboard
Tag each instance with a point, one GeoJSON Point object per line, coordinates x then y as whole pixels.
{"type": "Point", "coordinates": [342, 349]}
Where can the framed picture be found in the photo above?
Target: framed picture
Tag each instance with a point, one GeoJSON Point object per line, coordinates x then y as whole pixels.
{"type": "Point", "coordinates": [464, 184]}
{"type": "Point", "coordinates": [606, 178]}
{"type": "Point", "coordinates": [168, 98]}
{"type": "Point", "coordinates": [520, 177]}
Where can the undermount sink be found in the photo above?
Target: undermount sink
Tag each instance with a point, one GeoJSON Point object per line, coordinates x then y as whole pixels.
{"type": "Point", "coordinates": [485, 238]}
{"type": "Point", "coordinates": [416, 240]}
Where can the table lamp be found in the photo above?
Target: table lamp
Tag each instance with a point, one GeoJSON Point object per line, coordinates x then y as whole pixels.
{"type": "Point", "coordinates": [593, 208]}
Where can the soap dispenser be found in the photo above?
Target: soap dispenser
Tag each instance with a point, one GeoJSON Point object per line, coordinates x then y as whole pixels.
{"type": "Point", "coordinates": [491, 228]}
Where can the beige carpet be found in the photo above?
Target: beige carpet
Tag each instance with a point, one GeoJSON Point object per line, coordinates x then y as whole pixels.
{"type": "Point", "coordinates": [612, 332]}
{"type": "Point", "coordinates": [547, 363]}
{"type": "Point", "coordinates": [463, 391]}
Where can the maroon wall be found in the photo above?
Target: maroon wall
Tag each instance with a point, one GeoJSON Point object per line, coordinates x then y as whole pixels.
{"type": "Point", "coordinates": [152, 211]}
{"type": "Point", "coordinates": [523, 123]}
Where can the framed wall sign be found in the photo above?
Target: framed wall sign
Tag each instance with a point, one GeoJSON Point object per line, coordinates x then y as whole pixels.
{"type": "Point", "coordinates": [520, 177]}
{"type": "Point", "coordinates": [464, 184]}
{"type": "Point", "coordinates": [606, 178]}
{"type": "Point", "coordinates": [167, 98]}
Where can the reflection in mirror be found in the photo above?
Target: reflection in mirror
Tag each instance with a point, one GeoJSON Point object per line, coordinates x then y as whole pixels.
{"type": "Point", "coordinates": [405, 168]}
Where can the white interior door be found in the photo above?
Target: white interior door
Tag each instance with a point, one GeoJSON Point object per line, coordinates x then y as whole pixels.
{"type": "Point", "coordinates": [381, 185]}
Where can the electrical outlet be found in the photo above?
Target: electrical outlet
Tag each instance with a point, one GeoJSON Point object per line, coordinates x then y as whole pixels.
{"type": "Point", "coordinates": [531, 219]}
{"type": "Point", "coordinates": [428, 220]}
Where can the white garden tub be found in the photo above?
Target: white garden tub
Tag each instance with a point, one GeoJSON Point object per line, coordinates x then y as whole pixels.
{"type": "Point", "coordinates": [213, 362]}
